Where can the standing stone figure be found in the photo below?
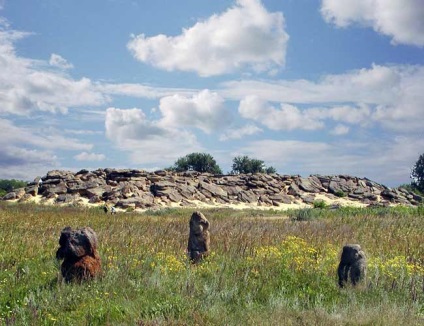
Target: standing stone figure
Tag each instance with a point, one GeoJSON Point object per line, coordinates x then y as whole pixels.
{"type": "Point", "coordinates": [199, 238]}
{"type": "Point", "coordinates": [78, 249]}
{"type": "Point", "coordinates": [353, 265]}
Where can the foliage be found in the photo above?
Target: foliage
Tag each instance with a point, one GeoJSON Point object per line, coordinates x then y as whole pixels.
{"type": "Point", "coordinates": [411, 188]}
{"type": "Point", "coordinates": [244, 164]}
{"type": "Point", "coordinates": [320, 204]}
{"type": "Point", "coordinates": [9, 185]}
{"type": "Point", "coordinates": [417, 174]}
{"type": "Point", "coordinates": [200, 162]}
{"type": "Point", "coordinates": [260, 272]}
{"type": "Point", "coordinates": [340, 193]}
{"type": "Point", "coordinates": [270, 170]}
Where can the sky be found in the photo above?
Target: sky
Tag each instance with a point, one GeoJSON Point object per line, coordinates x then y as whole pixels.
{"type": "Point", "coordinates": [308, 86]}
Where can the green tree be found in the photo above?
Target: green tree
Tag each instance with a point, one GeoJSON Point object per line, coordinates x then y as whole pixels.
{"type": "Point", "coordinates": [244, 164]}
{"type": "Point", "coordinates": [270, 170]}
{"type": "Point", "coordinates": [201, 162]}
{"type": "Point", "coordinates": [417, 174]}
{"type": "Point", "coordinates": [9, 185]}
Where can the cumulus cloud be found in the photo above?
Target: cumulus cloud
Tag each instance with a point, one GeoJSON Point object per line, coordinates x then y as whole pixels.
{"type": "Point", "coordinates": [238, 133]}
{"type": "Point", "coordinates": [58, 61]}
{"type": "Point", "coordinates": [85, 156]}
{"type": "Point", "coordinates": [287, 117]}
{"type": "Point", "coordinates": [147, 141]}
{"type": "Point", "coordinates": [26, 85]}
{"type": "Point", "coordinates": [402, 20]}
{"type": "Point", "coordinates": [204, 110]}
{"type": "Point", "coordinates": [340, 130]}
{"type": "Point", "coordinates": [392, 96]}
{"type": "Point", "coordinates": [360, 114]}
{"type": "Point", "coordinates": [244, 35]}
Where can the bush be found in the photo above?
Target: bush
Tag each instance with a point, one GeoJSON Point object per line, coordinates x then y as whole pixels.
{"type": "Point", "coordinates": [340, 193]}
{"type": "Point", "coordinates": [320, 204]}
{"type": "Point", "coordinates": [200, 162]}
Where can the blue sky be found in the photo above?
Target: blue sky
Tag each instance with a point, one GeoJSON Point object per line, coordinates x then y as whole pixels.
{"type": "Point", "coordinates": [310, 87]}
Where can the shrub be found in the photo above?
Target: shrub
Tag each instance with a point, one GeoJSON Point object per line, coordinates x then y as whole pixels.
{"type": "Point", "coordinates": [340, 193]}
{"type": "Point", "coordinates": [320, 204]}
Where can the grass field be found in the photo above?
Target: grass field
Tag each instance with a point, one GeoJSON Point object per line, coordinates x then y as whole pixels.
{"type": "Point", "coordinates": [266, 268]}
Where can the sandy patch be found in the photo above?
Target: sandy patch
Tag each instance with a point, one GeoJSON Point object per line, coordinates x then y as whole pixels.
{"type": "Point", "coordinates": [82, 201]}
{"type": "Point", "coordinates": [345, 202]}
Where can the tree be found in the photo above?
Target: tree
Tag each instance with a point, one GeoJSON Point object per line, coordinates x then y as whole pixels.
{"type": "Point", "coordinates": [244, 164]}
{"type": "Point", "coordinates": [200, 162]}
{"type": "Point", "coordinates": [270, 170]}
{"type": "Point", "coordinates": [9, 185]}
{"type": "Point", "coordinates": [417, 174]}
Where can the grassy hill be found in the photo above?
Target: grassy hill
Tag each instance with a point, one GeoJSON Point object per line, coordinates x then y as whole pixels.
{"type": "Point", "coordinates": [266, 268]}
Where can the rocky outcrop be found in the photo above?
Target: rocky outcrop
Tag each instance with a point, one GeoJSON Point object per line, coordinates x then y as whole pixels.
{"type": "Point", "coordinates": [127, 188]}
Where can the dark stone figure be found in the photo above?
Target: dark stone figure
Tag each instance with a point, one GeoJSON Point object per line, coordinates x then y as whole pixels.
{"type": "Point", "coordinates": [199, 238]}
{"type": "Point", "coordinates": [353, 265]}
{"type": "Point", "coordinates": [78, 249]}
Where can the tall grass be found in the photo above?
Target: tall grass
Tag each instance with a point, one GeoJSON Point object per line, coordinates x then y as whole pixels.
{"type": "Point", "coordinates": [262, 271]}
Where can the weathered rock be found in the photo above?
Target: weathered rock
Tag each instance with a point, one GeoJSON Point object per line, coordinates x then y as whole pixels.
{"type": "Point", "coordinates": [138, 188]}
{"type": "Point", "coordinates": [294, 190]}
{"type": "Point", "coordinates": [57, 189]}
{"type": "Point", "coordinates": [281, 198]}
{"type": "Point", "coordinates": [215, 191]}
{"type": "Point", "coordinates": [98, 191]}
{"type": "Point", "coordinates": [247, 197]}
{"type": "Point", "coordinates": [32, 190]}
{"type": "Point", "coordinates": [175, 197]}
{"type": "Point", "coordinates": [311, 184]}
{"type": "Point", "coordinates": [66, 198]}
{"type": "Point", "coordinates": [10, 196]}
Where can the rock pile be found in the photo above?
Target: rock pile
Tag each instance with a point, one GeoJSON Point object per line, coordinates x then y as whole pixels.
{"type": "Point", "coordinates": [127, 188]}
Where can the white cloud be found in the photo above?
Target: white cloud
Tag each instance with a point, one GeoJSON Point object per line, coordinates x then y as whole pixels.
{"type": "Point", "coordinates": [29, 151]}
{"type": "Point", "coordinates": [147, 141]}
{"type": "Point", "coordinates": [402, 20]}
{"type": "Point", "coordinates": [85, 156]}
{"type": "Point", "coordinates": [244, 35]}
{"type": "Point", "coordinates": [143, 91]}
{"type": "Point", "coordinates": [287, 117]}
{"type": "Point", "coordinates": [340, 130]}
{"type": "Point", "coordinates": [57, 61]}
{"type": "Point", "coordinates": [360, 114]}
{"type": "Point", "coordinates": [204, 110]}
{"type": "Point", "coordinates": [377, 159]}
{"type": "Point", "coordinates": [379, 84]}
{"type": "Point", "coordinates": [392, 96]}
{"type": "Point", "coordinates": [238, 133]}
{"type": "Point", "coordinates": [25, 164]}
{"type": "Point", "coordinates": [82, 132]}
{"type": "Point", "coordinates": [27, 85]}
{"type": "Point", "coordinates": [47, 138]}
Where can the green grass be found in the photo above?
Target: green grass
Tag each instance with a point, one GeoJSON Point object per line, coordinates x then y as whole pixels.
{"type": "Point", "coordinates": [262, 271]}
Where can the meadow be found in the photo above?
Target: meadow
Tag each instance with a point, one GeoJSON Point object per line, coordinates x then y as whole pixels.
{"type": "Point", "coordinates": [266, 268]}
